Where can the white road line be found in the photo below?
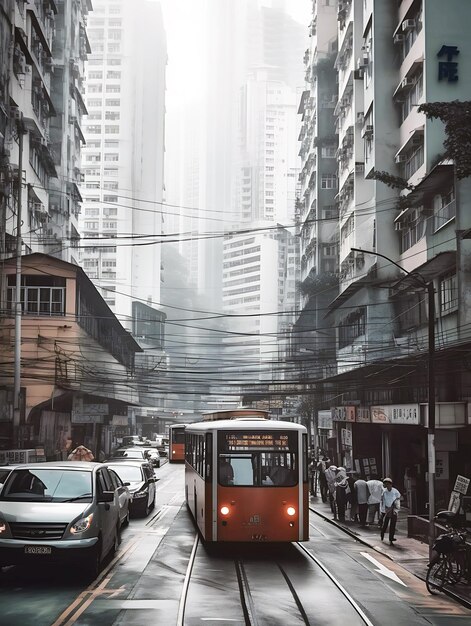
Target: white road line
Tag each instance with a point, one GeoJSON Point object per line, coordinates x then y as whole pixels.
{"type": "Point", "coordinates": [382, 569]}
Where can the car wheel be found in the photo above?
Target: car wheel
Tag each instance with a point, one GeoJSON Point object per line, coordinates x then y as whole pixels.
{"type": "Point", "coordinates": [93, 567]}
{"type": "Point", "coordinates": [152, 506]}
{"type": "Point", "coordinates": [125, 521]}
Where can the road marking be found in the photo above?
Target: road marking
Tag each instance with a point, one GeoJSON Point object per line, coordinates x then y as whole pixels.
{"type": "Point", "coordinates": [382, 569]}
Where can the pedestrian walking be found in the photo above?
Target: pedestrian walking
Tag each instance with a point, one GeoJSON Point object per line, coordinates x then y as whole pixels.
{"type": "Point", "coordinates": [312, 476]}
{"type": "Point", "coordinates": [352, 496]}
{"type": "Point", "coordinates": [375, 487]}
{"type": "Point", "coordinates": [342, 491]}
{"type": "Point", "coordinates": [330, 474]}
{"type": "Point", "coordinates": [389, 505]}
{"type": "Point", "coordinates": [321, 469]}
{"type": "Point", "coordinates": [362, 495]}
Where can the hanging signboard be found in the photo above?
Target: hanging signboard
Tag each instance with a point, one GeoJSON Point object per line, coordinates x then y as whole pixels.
{"type": "Point", "coordinates": [350, 413]}
{"type": "Point", "coordinates": [461, 484]}
{"type": "Point", "coordinates": [120, 420]}
{"type": "Point", "coordinates": [339, 413]}
{"type": "Point", "coordinates": [324, 420]}
{"type": "Point", "coordinates": [346, 436]}
{"type": "Point", "coordinates": [363, 415]}
{"type": "Point", "coordinates": [395, 414]}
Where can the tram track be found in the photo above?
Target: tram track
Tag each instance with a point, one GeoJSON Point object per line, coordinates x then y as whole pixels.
{"type": "Point", "coordinates": [259, 580]}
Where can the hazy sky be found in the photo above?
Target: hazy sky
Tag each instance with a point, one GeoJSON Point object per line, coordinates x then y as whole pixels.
{"type": "Point", "coordinates": [184, 27]}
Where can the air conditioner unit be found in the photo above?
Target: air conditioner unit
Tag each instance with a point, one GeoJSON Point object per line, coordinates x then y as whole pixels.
{"type": "Point", "coordinates": [407, 82]}
{"type": "Point", "coordinates": [398, 38]}
{"type": "Point", "coordinates": [15, 113]}
{"type": "Point", "coordinates": [358, 74]}
{"type": "Point", "coordinates": [400, 158]}
{"type": "Point", "coordinates": [367, 131]}
{"type": "Point", "coordinates": [408, 25]}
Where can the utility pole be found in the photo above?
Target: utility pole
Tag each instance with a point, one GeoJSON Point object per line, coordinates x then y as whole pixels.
{"type": "Point", "coordinates": [18, 313]}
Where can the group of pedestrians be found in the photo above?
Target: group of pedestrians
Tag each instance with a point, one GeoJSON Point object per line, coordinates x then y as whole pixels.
{"type": "Point", "coordinates": [367, 502]}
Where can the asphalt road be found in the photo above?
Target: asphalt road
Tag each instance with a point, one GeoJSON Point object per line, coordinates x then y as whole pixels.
{"type": "Point", "coordinates": [346, 585]}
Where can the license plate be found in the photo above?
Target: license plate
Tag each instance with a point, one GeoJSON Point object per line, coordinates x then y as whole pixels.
{"type": "Point", "coordinates": [38, 550]}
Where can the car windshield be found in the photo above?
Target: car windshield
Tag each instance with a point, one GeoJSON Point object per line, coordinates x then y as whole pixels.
{"type": "Point", "coordinates": [128, 473]}
{"type": "Point", "coordinates": [3, 474]}
{"type": "Point", "coordinates": [134, 454]}
{"type": "Point", "coordinates": [48, 485]}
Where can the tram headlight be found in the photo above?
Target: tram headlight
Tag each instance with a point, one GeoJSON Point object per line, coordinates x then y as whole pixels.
{"type": "Point", "coordinates": [291, 511]}
{"type": "Point", "coordinates": [224, 510]}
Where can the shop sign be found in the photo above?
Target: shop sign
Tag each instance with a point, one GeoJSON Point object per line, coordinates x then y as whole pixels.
{"type": "Point", "coordinates": [346, 437]}
{"type": "Point", "coordinates": [324, 420]}
{"type": "Point", "coordinates": [95, 409]}
{"type": "Point", "coordinates": [83, 418]}
{"type": "Point", "coordinates": [120, 420]}
{"type": "Point", "coordinates": [17, 456]}
{"type": "Point", "coordinates": [350, 413]}
{"type": "Point", "coordinates": [461, 484]}
{"type": "Point", "coordinates": [363, 414]}
{"type": "Point", "coordinates": [395, 414]}
{"type": "Point", "coordinates": [339, 413]}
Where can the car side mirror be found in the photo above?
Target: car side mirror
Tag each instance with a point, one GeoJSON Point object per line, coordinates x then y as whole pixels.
{"type": "Point", "coordinates": [106, 496]}
{"type": "Point", "coordinates": [126, 484]}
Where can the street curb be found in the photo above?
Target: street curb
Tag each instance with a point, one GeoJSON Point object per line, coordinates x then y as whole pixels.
{"type": "Point", "coordinates": [454, 596]}
{"type": "Point", "coordinates": [347, 531]}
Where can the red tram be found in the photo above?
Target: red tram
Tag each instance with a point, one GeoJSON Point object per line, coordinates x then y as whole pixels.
{"type": "Point", "coordinates": [176, 444]}
{"type": "Point", "coordinates": [246, 479]}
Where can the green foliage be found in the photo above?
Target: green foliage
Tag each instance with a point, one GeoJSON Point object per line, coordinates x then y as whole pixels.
{"type": "Point", "coordinates": [456, 116]}
{"type": "Point", "coordinates": [313, 285]}
{"type": "Point", "coordinates": [395, 182]}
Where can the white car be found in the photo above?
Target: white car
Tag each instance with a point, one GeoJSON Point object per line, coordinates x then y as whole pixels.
{"type": "Point", "coordinates": [65, 511]}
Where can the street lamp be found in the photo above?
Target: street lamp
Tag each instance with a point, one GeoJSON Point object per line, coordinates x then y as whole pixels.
{"type": "Point", "coordinates": [420, 280]}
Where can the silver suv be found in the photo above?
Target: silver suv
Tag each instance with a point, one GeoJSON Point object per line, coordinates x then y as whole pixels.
{"type": "Point", "coordinates": [59, 511]}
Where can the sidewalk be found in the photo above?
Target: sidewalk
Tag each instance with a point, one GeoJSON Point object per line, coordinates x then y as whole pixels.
{"type": "Point", "coordinates": [410, 553]}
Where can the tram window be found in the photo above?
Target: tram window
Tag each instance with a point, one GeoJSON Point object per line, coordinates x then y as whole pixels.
{"type": "Point", "coordinates": [208, 454]}
{"type": "Point", "coordinates": [178, 435]}
{"type": "Point", "coordinates": [305, 468]}
{"type": "Point", "coordinates": [258, 469]}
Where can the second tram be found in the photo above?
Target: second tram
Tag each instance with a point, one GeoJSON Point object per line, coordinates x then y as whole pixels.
{"type": "Point", "coordinates": [176, 444]}
{"type": "Point", "coordinates": [246, 479]}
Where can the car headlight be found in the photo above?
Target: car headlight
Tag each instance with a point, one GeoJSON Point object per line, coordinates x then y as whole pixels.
{"type": "Point", "coordinates": [141, 494]}
{"type": "Point", "coordinates": [82, 524]}
{"type": "Point", "coordinates": [3, 527]}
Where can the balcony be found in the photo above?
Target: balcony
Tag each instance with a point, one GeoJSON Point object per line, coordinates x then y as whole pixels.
{"type": "Point", "coordinates": [443, 215]}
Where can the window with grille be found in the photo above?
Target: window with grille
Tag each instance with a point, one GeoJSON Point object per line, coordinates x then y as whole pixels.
{"type": "Point", "coordinates": [448, 293]}
{"type": "Point", "coordinates": [40, 295]}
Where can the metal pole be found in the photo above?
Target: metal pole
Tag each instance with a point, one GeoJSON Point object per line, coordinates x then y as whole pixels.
{"type": "Point", "coordinates": [431, 414]}
{"type": "Point", "coordinates": [19, 249]}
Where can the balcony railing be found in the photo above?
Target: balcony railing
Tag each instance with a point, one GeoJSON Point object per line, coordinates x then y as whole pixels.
{"type": "Point", "coordinates": [443, 215]}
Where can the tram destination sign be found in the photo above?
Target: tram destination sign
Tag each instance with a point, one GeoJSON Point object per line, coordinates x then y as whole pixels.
{"type": "Point", "coordinates": [249, 441]}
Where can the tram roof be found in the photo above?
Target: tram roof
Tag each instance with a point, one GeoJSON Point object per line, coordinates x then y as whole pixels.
{"type": "Point", "coordinates": [245, 424]}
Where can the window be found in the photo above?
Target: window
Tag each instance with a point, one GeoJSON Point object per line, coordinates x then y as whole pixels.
{"type": "Point", "coordinates": [98, 88]}
{"type": "Point", "coordinates": [113, 48]}
{"type": "Point", "coordinates": [93, 130]}
{"type": "Point", "coordinates": [113, 74]}
{"type": "Point", "coordinates": [444, 208]}
{"type": "Point", "coordinates": [329, 181]}
{"type": "Point", "coordinates": [91, 225]}
{"type": "Point", "coordinates": [352, 327]}
{"type": "Point", "coordinates": [110, 186]}
{"type": "Point", "coordinates": [413, 97]}
{"type": "Point", "coordinates": [40, 295]}
{"type": "Point", "coordinates": [111, 143]}
{"type": "Point", "coordinates": [95, 74]}
{"type": "Point", "coordinates": [110, 172]}
{"type": "Point", "coordinates": [112, 115]}
{"type": "Point", "coordinates": [111, 157]}
{"type": "Point", "coordinates": [110, 263]}
{"type": "Point", "coordinates": [94, 102]}
{"type": "Point", "coordinates": [113, 88]}
{"type": "Point", "coordinates": [112, 130]}
{"type": "Point", "coordinates": [110, 225]}
{"type": "Point", "coordinates": [112, 102]}
{"type": "Point", "coordinates": [95, 115]}
{"type": "Point", "coordinates": [448, 293]}
{"type": "Point", "coordinates": [107, 198]}
{"type": "Point", "coordinates": [110, 211]}
{"type": "Point", "coordinates": [92, 212]}
{"type": "Point", "coordinates": [328, 152]}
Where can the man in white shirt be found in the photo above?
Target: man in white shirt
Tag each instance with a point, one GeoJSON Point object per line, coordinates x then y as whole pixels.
{"type": "Point", "coordinates": [389, 506]}
{"type": "Point", "coordinates": [362, 494]}
{"type": "Point", "coordinates": [375, 487]}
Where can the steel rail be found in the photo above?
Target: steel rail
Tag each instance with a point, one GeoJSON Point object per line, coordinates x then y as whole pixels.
{"type": "Point", "coordinates": [340, 587]}
{"type": "Point", "coordinates": [186, 583]}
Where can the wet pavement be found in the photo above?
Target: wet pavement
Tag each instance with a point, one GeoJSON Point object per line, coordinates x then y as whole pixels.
{"type": "Point", "coordinates": [337, 580]}
{"type": "Point", "coordinates": [410, 553]}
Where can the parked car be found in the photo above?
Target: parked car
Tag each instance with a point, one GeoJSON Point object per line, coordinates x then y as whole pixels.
{"type": "Point", "coordinates": [136, 454]}
{"type": "Point", "coordinates": [124, 497]}
{"type": "Point", "coordinates": [163, 451]}
{"type": "Point", "coordinates": [5, 470]}
{"type": "Point", "coordinates": [63, 511]}
{"type": "Point", "coordinates": [153, 456]}
{"type": "Point", "coordinates": [132, 440]}
{"type": "Point", "coordinates": [139, 478]}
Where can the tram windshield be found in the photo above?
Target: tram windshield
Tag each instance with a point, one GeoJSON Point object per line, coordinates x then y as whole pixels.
{"type": "Point", "coordinates": [178, 435]}
{"type": "Point", "coordinates": [249, 459]}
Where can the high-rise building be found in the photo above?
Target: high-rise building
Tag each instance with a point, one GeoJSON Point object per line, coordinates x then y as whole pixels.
{"type": "Point", "coordinates": [44, 46]}
{"type": "Point", "coordinates": [124, 156]}
{"type": "Point", "coordinates": [402, 198]}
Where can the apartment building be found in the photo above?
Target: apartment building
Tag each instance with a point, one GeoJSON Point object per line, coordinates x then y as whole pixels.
{"type": "Point", "coordinates": [124, 155]}
{"type": "Point", "coordinates": [44, 48]}
{"type": "Point", "coordinates": [392, 57]}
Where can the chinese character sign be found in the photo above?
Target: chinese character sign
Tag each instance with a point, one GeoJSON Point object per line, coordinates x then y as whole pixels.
{"type": "Point", "coordinates": [447, 67]}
